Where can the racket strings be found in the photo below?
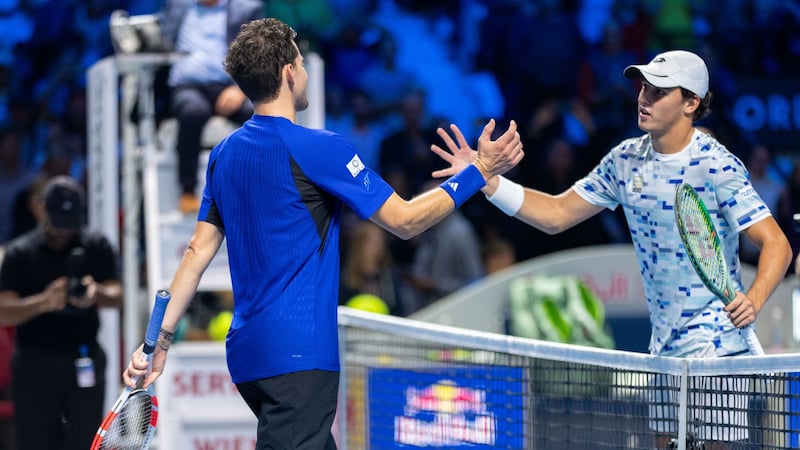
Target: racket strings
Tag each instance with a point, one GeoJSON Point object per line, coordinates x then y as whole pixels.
{"type": "Point", "coordinates": [131, 428]}
{"type": "Point", "coordinates": [701, 241]}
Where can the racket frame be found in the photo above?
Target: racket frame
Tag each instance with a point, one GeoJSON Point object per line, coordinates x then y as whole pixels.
{"type": "Point", "coordinates": [150, 341]}
{"type": "Point", "coordinates": [726, 292]}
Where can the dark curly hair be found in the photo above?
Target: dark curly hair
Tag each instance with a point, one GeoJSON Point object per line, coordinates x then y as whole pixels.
{"type": "Point", "coordinates": [258, 54]}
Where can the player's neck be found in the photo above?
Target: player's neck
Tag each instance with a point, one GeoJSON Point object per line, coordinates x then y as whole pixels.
{"type": "Point", "coordinates": [673, 140]}
{"type": "Point", "coordinates": [277, 108]}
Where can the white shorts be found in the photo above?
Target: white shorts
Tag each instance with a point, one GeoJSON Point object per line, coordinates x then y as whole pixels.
{"type": "Point", "coordinates": [717, 407]}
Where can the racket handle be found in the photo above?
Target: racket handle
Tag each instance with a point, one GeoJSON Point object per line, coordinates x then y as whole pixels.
{"type": "Point", "coordinates": [154, 327]}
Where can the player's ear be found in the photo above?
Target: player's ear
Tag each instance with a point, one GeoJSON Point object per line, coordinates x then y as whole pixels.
{"type": "Point", "coordinates": [691, 104]}
{"type": "Point", "coordinates": [288, 72]}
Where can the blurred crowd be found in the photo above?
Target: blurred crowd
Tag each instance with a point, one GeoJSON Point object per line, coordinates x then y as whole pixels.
{"type": "Point", "coordinates": [398, 69]}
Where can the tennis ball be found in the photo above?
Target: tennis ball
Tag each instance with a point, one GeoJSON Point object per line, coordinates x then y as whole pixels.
{"type": "Point", "coordinates": [368, 302]}
{"type": "Point", "coordinates": [218, 326]}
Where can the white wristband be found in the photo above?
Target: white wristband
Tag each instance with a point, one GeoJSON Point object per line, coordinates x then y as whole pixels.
{"type": "Point", "coordinates": [508, 197]}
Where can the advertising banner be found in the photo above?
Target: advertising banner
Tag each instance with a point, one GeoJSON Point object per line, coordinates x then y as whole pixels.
{"type": "Point", "coordinates": [447, 407]}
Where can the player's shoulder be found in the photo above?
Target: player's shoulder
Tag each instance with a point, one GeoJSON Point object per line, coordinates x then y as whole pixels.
{"type": "Point", "coordinates": [313, 144]}
{"type": "Point", "coordinates": [634, 147]}
{"type": "Point", "coordinates": [709, 147]}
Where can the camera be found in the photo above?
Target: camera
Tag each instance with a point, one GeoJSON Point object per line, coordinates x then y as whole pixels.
{"type": "Point", "coordinates": [76, 287]}
{"type": "Point", "coordinates": [76, 269]}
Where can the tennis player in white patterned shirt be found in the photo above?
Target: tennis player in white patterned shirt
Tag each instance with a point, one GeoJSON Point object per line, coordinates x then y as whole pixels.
{"type": "Point", "coordinates": [641, 174]}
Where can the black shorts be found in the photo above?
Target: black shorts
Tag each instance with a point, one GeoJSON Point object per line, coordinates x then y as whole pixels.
{"type": "Point", "coordinates": [295, 411]}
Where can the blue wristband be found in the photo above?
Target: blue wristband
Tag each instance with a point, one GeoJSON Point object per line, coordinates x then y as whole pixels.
{"type": "Point", "coordinates": [464, 184]}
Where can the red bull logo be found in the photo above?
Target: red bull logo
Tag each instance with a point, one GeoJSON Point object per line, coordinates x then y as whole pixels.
{"type": "Point", "coordinates": [445, 397]}
{"type": "Point", "coordinates": [460, 416]}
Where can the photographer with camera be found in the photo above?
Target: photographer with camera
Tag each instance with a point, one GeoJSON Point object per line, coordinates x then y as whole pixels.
{"type": "Point", "coordinates": [53, 279]}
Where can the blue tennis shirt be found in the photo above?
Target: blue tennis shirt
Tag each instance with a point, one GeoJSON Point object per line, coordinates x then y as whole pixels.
{"type": "Point", "coordinates": [277, 190]}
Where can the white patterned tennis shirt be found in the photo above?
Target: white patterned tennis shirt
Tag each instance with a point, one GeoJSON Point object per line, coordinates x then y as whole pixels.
{"type": "Point", "coordinates": [687, 319]}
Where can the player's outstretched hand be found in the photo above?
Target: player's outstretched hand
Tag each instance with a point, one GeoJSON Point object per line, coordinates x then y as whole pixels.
{"type": "Point", "coordinates": [459, 154]}
{"type": "Point", "coordinates": [494, 157]}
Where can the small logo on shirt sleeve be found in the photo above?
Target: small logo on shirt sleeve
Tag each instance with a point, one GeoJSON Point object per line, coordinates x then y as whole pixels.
{"type": "Point", "coordinates": [355, 166]}
{"type": "Point", "coordinates": [745, 193]}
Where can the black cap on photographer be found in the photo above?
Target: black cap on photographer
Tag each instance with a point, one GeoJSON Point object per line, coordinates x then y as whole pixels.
{"type": "Point", "coordinates": [65, 203]}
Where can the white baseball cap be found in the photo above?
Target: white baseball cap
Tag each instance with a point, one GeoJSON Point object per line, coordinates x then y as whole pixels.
{"type": "Point", "coordinates": [676, 68]}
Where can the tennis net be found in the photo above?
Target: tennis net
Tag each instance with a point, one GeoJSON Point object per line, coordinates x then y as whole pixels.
{"type": "Point", "coordinates": [408, 384]}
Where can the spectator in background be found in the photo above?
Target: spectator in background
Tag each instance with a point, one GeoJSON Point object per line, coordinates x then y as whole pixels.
{"type": "Point", "coordinates": [14, 176]}
{"type": "Point", "coordinates": [314, 20]}
{"type": "Point", "coordinates": [350, 52]}
{"type": "Point", "coordinates": [558, 170]}
{"type": "Point", "coordinates": [368, 269]}
{"type": "Point", "coordinates": [405, 157]}
{"type": "Point", "coordinates": [608, 97]}
{"type": "Point", "coordinates": [406, 162]}
{"type": "Point", "coordinates": [365, 131]}
{"type": "Point", "coordinates": [538, 68]}
{"type": "Point", "coordinates": [384, 82]}
{"type": "Point", "coordinates": [27, 211]}
{"type": "Point", "coordinates": [673, 24]}
{"type": "Point", "coordinates": [199, 86]}
{"type": "Point", "coordinates": [53, 280]}
{"type": "Point", "coordinates": [447, 258]}
{"type": "Point", "coordinates": [17, 24]}
{"type": "Point", "coordinates": [498, 254]}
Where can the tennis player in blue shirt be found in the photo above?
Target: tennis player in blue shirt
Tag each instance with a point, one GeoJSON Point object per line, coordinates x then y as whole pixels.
{"type": "Point", "coordinates": [275, 190]}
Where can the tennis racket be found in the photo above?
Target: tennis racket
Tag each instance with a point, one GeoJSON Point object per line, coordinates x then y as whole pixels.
{"type": "Point", "coordinates": [705, 252]}
{"type": "Point", "coordinates": [131, 422]}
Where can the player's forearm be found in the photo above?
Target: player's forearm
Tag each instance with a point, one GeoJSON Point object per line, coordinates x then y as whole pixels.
{"type": "Point", "coordinates": [773, 262]}
{"type": "Point", "coordinates": [198, 255]}
{"type": "Point", "coordinates": [411, 218]}
{"type": "Point", "coordinates": [543, 211]}
{"type": "Point", "coordinates": [183, 287]}
{"type": "Point", "coordinates": [408, 218]}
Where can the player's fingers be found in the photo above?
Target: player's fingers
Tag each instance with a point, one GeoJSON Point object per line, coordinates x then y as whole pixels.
{"type": "Point", "coordinates": [488, 129]}
{"type": "Point", "coordinates": [442, 173]}
{"type": "Point", "coordinates": [446, 156]}
{"type": "Point", "coordinates": [150, 379]}
{"type": "Point", "coordinates": [741, 313]}
{"type": "Point", "coordinates": [510, 134]}
{"type": "Point", "coordinates": [448, 141]}
{"type": "Point", "coordinates": [130, 375]}
{"type": "Point", "coordinates": [519, 154]}
{"type": "Point", "coordinates": [462, 141]}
